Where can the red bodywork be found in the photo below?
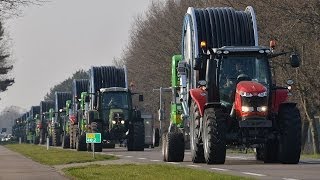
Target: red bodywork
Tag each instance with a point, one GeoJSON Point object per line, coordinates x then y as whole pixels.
{"type": "Point", "coordinates": [200, 97]}
{"type": "Point", "coordinates": [73, 119]}
{"type": "Point", "coordinates": [39, 125]}
{"type": "Point", "coordinates": [278, 96]}
{"type": "Point", "coordinates": [253, 88]}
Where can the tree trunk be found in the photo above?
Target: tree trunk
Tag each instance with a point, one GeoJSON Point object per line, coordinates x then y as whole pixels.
{"type": "Point", "coordinates": [314, 135]}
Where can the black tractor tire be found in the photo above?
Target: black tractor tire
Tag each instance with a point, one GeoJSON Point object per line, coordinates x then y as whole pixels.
{"type": "Point", "coordinates": [155, 137]}
{"type": "Point", "coordinates": [65, 141]}
{"type": "Point", "coordinates": [164, 147]}
{"type": "Point", "coordinates": [42, 138]}
{"type": "Point", "coordinates": [71, 136]}
{"type": "Point", "coordinates": [214, 136]}
{"type": "Point", "coordinates": [50, 140]}
{"type": "Point", "coordinates": [96, 127]}
{"type": "Point", "coordinates": [175, 147]}
{"type": "Point", "coordinates": [136, 137]}
{"type": "Point", "coordinates": [36, 140]}
{"type": "Point", "coordinates": [81, 144]}
{"type": "Point", "coordinates": [270, 151]}
{"type": "Point", "coordinates": [259, 153]}
{"type": "Point", "coordinates": [196, 146]}
{"type": "Point", "coordinates": [56, 137]}
{"type": "Point", "coordinates": [109, 145]}
{"type": "Point", "coordinates": [290, 133]}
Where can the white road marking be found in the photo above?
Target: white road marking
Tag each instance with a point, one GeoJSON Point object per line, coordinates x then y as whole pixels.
{"type": "Point", "coordinates": [192, 165]}
{"type": "Point", "coordinates": [187, 153]}
{"type": "Point", "coordinates": [220, 169]}
{"type": "Point", "coordinates": [253, 174]}
{"type": "Point", "coordinates": [173, 163]}
{"type": "Point", "coordinates": [111, 154]}
{"type": "Point", "coordinates": [142, 158]}
{"type": "Point", "coordinates": [237, 157]}
{"type": "Point", "coordinates": [289, 179]}
{"type": "Point", "coordinates": [155, 160]}
{"type": "Point", "coordinates": [118, 155]}
{"type": "Point", "coordinates": [128, 156]}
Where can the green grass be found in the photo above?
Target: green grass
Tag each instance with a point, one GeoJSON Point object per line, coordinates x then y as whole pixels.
{"type": "Point", "coordinates": [55, 156]}
{"type": "Point", "coordinates": [141, 172]}
{"type": "Point", "coordinates": [310, 156]}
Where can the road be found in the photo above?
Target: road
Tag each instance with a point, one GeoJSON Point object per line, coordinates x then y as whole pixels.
{"type": "Point", "coordinates": [236, 164]}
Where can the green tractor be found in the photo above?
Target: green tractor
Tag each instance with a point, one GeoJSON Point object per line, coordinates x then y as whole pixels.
{"type": "Point", "coordinates": [31, 124]}
{"type": "Point", "coordinates": [55, 128]}
{"type": "Point", "coordinates": [65, 115]}
{"type": "Point", "coordinates": [44, 120]}
{"type": "Point", "coordinates": [111, 111]}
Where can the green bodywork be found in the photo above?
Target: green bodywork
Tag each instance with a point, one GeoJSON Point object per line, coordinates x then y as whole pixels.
{"type": "Point", "coordinates": [66, 122]}
{"type": "Point", "coordinates": [38, 122]}
{"type": "Point", "coordinates": [50, 120]}
{"type": "Point", "coordinates": [176, 106]}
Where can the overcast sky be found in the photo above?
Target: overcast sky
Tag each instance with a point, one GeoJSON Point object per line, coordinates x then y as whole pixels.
{"type": "Point", "coordinates": [51, 42]}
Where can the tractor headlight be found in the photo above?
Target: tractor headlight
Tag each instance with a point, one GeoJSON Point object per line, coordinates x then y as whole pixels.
{"type": "Point", "coordinates": [263, 94]}
{"type": "Point", "coordinates": [246, 109]}
{"type": "Point", "coordinates": [113, 122]}
{"type": "Point", "coordinates": [245, 94]}
{"type": "Point", "coordinates": [122, 121]}
{"type": "Point", "coordinates": [262, 109]}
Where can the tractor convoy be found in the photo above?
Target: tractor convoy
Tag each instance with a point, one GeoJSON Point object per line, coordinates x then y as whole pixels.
{"type": "Point", "coordinates": [100, 104]}
{"type": "Point", "coordinates": [224, 96]}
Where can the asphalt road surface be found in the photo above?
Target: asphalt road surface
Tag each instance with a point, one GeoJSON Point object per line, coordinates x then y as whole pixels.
{"type": "Point", "coordinates": [236, 164]}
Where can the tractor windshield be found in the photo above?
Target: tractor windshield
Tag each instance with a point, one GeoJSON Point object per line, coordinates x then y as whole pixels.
{"type": "Point", "coordinates": [233, 69]}
{"type": "Point", "coordinates": [112, 100]}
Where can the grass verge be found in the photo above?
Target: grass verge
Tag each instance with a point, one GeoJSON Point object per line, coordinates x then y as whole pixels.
{"type": "Point", "coordinates": [310, 156]}
{"type": "Point", "coordinates": [55, 156]}
{"type": "Point", "coordinates": [141, 172]}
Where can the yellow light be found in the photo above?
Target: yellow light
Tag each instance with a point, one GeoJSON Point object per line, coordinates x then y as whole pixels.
{"type": "Point", "coordinates": [203, 44]}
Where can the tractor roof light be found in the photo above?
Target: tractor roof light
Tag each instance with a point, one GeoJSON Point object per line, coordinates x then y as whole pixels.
{"type": "Point", "coordinates": [203, 45]}
{"type": "Point", "coordinates": [272, 44]}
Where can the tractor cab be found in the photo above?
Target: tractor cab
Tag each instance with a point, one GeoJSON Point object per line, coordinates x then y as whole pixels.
{"type": "Point", "coordinates": [115, 105]}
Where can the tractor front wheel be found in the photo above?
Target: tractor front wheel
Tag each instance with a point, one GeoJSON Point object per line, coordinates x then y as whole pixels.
{"type": "Point", "coordinates": [195, 141]}
{"type": "Point", "coordinates": [214, 136]}
{"type": "Point", "coordinates": [290, 133]}
{"type": "Point", "coordinates": [175, 147]}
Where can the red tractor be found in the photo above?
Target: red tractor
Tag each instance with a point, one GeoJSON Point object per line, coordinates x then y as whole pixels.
{"type": "Point", "coordinates": [227, 92]}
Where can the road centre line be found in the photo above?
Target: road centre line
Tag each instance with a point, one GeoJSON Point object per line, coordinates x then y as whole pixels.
{"type": "Point", "coordinates": [192, 165]}
{"type": "Point", "coordinates": [289, 179]}
{"type": "Point", "coordinates": [220, 169]}
{"type": "Point", "coordinates": [253, 174]}
{"type": "Point", "coordinates": [155, 160]}
{"type": "Point", "coordinates": [128, 156]}
{"type": "Point", "coordinates": [173, 163]}
{"type": "Point", "coordinates": [142, 158]}
{"type": "Point", "coordinates": [118, 155]}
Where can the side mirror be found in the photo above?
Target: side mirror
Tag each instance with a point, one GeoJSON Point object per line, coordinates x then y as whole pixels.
{"type": "Point", "coordinates": [294, 60]}
{"type": "Point", "coordinates": [140, 97]}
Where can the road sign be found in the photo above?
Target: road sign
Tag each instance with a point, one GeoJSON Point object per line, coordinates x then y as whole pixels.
{"type": "Point", "coordinates": [93, 137]}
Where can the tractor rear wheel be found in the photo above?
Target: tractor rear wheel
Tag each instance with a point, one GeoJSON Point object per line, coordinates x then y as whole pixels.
{"type": "Point", "coordinates": [164, 147]}
{"type": "Point", "coordinates": [96, 127]}
{"type": "Point", "coordinates": [155, 137]}
{"type": "Point", "coordinates": [214, 136]}
{"type": "Point", "coordinates": [175, 147]}
{"type": "Point", "coordinates": [36, 140]}
{"type": "Point", "coordinates": [81, 142]}
{"type": "Point", "coordinates": [136, 137]}
{"type": "Point", "coordinates": [197, 153]}
{"type": "Point", "coordinates": [56, 137]}
{"type": "Point", "coordinates": [290, 133]}
{"type": "Point", "coordinates": [66, 141]}
{"type": "Point", "coordinates": [42, 138]}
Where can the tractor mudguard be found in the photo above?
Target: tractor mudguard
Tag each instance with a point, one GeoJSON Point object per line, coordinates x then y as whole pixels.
{"type": "Point", "coordinates": [93, 116]}
{"type": "Point", "coordinates": [200, 97]}
{"type": "Point", "coordinates": [279, 96]}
